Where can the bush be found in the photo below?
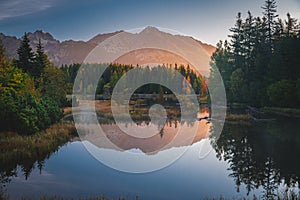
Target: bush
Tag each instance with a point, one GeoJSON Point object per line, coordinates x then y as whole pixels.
{"type": "Point", "coordinates": [52, 109]}
{"type": "Point", "coordinates": [27, 115]}
{"type": "Point", "coordinates": [282, 93]}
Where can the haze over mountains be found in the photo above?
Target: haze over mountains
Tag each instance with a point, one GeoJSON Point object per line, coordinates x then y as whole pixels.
{"type": "Point", "coordinates": [150, 46]}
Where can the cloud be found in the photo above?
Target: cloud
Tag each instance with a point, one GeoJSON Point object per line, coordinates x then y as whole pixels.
{"type": "Point", "coordinates": [15, 8]}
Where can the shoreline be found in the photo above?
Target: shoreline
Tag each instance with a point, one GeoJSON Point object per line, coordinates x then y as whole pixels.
{"type": "Point", "coordinates": [51, 138]}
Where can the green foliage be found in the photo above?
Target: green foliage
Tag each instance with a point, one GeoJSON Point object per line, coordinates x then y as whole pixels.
{"type": "Point", "coordinates": [262, 55]}
{"type": "Point", "coordinates": [41, 61]}
{"type": "Point", "coordinates": [221, 61]}
{"type": "Point", "coordinates": [18, 114]}
{"type": "Point", "coordinates": [26, 115]}
{"type": "Point", "coordinates": [52, 84]}
{"type": "Point", "coordinates": [238, 86]}
{"type": "Point", "coordinates": [52, 109]}
{"type": "Point", "coordinates": [111, 75]}
{"type": "Point", "coordinates": [282, 93]}
{"type": "Point", "coordinates": [269, 11]}
{"type": "Point", "coordinates": [23, 108]}
{"type": "Point", "coordinates": [26, 56]}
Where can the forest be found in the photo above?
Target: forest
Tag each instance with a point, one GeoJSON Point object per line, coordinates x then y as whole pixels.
{"type": "Point", "coordinates": [34, 91]}
{"type": "Point", "coordinates": [114, 71]}
{"type": "Point", "coordinates": [260, 64]}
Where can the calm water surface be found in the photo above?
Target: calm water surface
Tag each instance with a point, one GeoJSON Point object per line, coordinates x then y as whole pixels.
{"type": "Point", "coordinates": [260, 159]}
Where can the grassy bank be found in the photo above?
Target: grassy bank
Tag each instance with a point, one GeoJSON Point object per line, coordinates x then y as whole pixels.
{"type": "Point", "coordinates": [27, 150]}
{"type": "Point", "coordinates": [238, 118]}
{"type": "Point", "coordinates": [31, 151]}
{"type": "Point", "coordinates": [56, 133]}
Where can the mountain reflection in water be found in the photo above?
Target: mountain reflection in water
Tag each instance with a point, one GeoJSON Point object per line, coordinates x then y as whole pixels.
{"type": "Point", "coordinates": [259, 158]}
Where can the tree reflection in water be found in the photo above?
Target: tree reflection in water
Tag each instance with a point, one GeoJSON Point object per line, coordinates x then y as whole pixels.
{"type": "Point", "coordinates": [262, 155]}
{"type": "Point", "coordinates": [27, 158]}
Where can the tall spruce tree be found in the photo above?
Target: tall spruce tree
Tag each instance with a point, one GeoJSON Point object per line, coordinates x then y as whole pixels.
{"type": "Point", "coordinates": [237, 41]}
{"type": "Point", "coordinates": [26, 56]}
{"type": "Point", "coordinates": [41, 60]}
{"type": "Point", "coordinates": [249, 42]}
{"type": "Point", "coordinates": [270, 15]}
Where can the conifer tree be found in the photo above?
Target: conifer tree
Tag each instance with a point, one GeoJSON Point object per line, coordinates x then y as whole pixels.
{"type": "Point", "coordinates": [270, 15]}
{"type": "Point", "coordinates": [26, 56]}
{"type": "Point", "coordinates": [291, 26]}
{"type": "Point", "coordinates": [41, 60]}
{"type": "Point", "coordinates": [236, 41]}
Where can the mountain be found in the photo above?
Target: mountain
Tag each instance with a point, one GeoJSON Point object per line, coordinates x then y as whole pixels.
{"type": "Point", "coordinates": [150, 46]}
{"type": "Point", "coordinates": [66, 52]}
{"type": "Point", "coordinates": [101, 37]}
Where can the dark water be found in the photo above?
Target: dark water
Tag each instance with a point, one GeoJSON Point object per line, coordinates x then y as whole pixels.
{"type": "Point", "coordinates": [260, 159]}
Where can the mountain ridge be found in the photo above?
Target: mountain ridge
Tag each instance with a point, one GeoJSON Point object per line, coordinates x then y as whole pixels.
{"type": "Point", "coordinates": [76, 51]}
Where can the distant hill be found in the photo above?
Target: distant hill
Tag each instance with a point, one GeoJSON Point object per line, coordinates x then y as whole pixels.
{"type": "Point", "coordinates": [149, 46]}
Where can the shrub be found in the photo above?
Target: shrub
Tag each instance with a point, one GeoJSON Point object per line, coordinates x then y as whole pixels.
{"type": "Point", "coordinates": [27, 115]}
{"type": "Point", "coordinates": [282, 93]}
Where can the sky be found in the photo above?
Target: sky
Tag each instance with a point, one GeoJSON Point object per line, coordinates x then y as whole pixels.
{"type": "Point", "coordinates": [206, 20]}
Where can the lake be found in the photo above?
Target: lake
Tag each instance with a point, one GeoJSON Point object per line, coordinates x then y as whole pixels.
{"type": "Point", "coordinates": [251, 158]}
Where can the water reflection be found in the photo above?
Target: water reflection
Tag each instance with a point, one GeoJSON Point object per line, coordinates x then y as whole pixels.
{"type": "Point", "coordinates": [113, 142]}
{"type": "Point", "coordinates": [167, 136]}
{"type": "Point", "coordinates": [262, 155]}
{"type": "Point", "coordinates": [26, 158]}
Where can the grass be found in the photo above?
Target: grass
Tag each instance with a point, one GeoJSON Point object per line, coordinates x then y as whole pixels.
{"type": "Point", "coordinates": [59, 132]}
{"type": "Point", "coordinates": [238, 117]}
{"type": "Point", "coordinates": [26, 150]}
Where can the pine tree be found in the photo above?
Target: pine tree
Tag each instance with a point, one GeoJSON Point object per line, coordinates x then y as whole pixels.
{"type": "Point", "coordinates": [249, 42]}
{"type": "Point", "coordinates": [270, 15]}
{"type": "Point", "coordinates": [221, 61]}
{"type": "Point", "coordinates": [236, 42]}
{"type": "Point", "coordinates": [279, 29]}
{"type": "Point", "coordinates": [291, 26]}
{"type": "Point", "coordinates": [41, 60]}
{"type": "Point", "coordinates": [26, 56]}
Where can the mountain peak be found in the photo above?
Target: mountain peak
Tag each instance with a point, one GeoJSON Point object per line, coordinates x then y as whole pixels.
{"type": "Point", "coordinates": [150, 29]}
{"type": "Point", "coordinates": [40, 34]}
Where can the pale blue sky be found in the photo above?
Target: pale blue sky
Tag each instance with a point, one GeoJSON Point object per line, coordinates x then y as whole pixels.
{"type": "Point", "coordinates": [207, 20]}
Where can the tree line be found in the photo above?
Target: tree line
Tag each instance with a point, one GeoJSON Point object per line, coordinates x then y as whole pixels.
{"type": "Point", "coordinates": [260, 65]}
{"type": "Point", "coordinates": [32, 90]}
{"type": "Point", "coordinates": [111, 74]}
